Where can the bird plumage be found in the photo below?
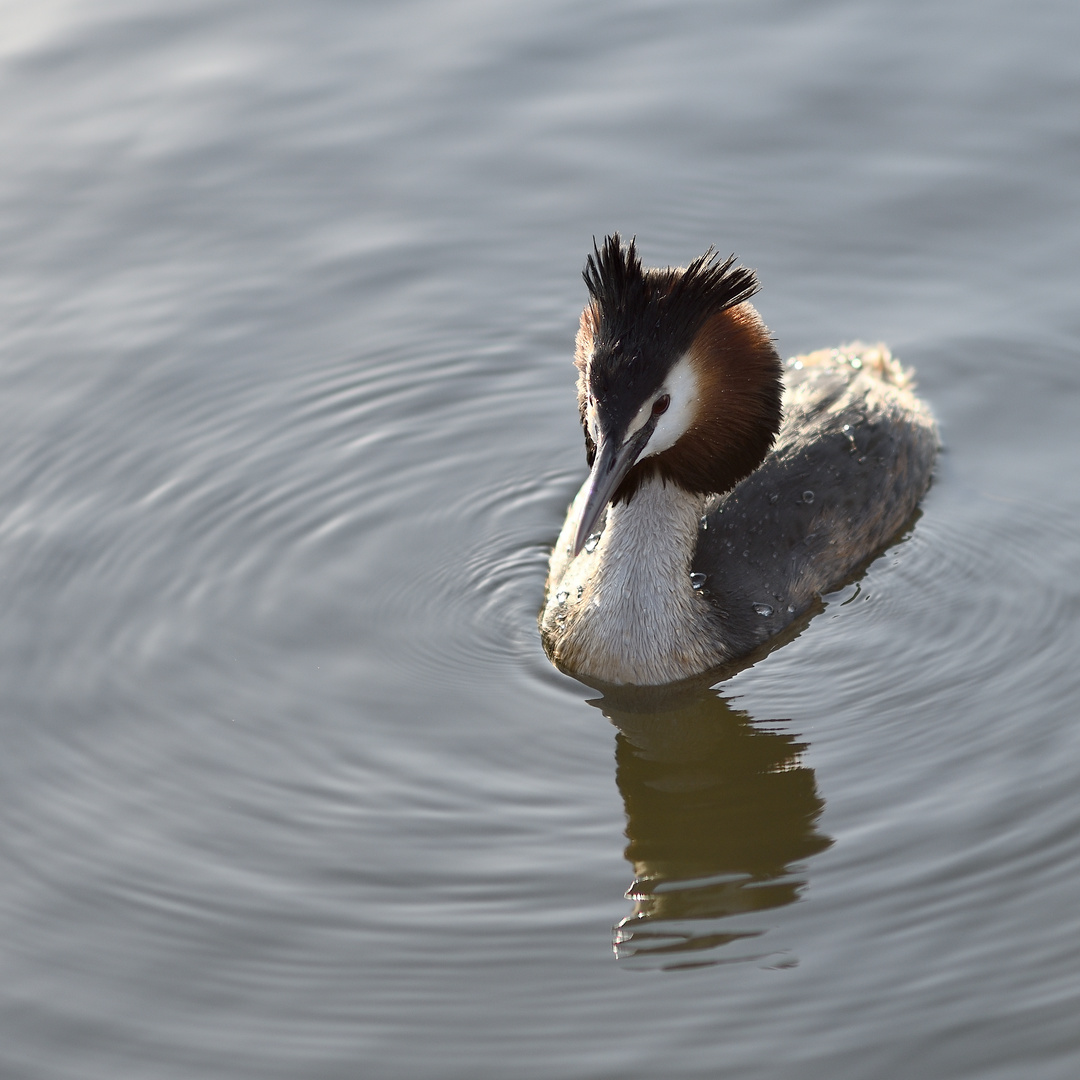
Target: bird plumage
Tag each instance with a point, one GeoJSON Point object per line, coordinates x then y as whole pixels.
{"type": "Point", "coordinates": [726, 491]}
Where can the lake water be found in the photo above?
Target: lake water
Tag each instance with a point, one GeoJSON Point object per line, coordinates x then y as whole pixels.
{"type": "Point", "coordinates": [287, 423]}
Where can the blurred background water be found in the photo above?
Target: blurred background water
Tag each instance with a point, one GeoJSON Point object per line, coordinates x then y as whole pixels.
{"type": "Point", "coordinates": [287, 302]}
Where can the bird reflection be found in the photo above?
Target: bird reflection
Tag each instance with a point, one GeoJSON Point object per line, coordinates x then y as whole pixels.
{"type": "Point", "coordinates": [721, 816]}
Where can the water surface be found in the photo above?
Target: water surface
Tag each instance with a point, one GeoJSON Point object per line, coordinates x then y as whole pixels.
{"type": "Point", "coordinates": [286, 427]}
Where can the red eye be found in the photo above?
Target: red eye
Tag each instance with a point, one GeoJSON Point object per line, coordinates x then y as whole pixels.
{"type": "Point", "coordinates": [661, 404]}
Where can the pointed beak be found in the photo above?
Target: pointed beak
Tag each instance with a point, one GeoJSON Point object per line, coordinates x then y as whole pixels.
{"type": "Point", "coordinates": [610, 466]}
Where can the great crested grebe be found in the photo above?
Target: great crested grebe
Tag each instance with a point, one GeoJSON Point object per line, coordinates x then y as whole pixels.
{"type": "Point", "coordinates": [727, 490]}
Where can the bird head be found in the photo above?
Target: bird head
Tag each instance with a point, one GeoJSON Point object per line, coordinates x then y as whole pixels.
{"type": "Point", "coordinates": [677, 377]}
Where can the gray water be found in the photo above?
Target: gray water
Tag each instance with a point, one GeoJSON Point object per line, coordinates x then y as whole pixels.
{"type": "Point", "coordinates": [288, 789]}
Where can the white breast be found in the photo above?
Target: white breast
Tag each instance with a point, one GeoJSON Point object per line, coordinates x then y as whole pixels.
{"type": "Point", "coordinates": [626, 612]}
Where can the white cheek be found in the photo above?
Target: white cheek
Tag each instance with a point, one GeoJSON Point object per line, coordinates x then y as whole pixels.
{"type": "Point", "coordinates": [591, 421]}
{"type": "Point", "coordinates": [682, 385]}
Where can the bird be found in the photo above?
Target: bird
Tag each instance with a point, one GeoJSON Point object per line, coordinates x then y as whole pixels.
{"type": "Point", "coordinates": [727, 489]}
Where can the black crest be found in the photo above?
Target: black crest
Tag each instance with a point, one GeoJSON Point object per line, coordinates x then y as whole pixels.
{"type": "Point", "coordinates": [646, 319]}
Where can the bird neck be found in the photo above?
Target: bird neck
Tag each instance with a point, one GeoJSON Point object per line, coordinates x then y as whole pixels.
{"type": "Point", "coordinates": [644, 553]}
{"type": "Point", "coordinates": [626, 611]}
